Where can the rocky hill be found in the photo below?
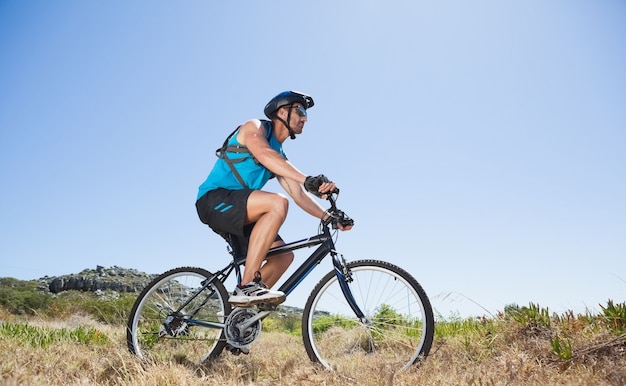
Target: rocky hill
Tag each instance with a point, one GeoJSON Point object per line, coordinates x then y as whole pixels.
{"type": "Point", "coordinates": [115, 278]}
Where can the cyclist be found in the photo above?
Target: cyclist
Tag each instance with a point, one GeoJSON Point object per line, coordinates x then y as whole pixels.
{"type": "Point", "coordinates": [230, 200]}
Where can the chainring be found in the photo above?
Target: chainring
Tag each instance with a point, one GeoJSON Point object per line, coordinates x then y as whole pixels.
{"type": "Point", "coordinates": [236, 335]}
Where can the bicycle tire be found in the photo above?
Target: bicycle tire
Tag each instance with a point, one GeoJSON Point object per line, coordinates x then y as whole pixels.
{"type": "Point", "coordinates": [181, 342]}
{"type": "Point", "coordinates": [400, 324]}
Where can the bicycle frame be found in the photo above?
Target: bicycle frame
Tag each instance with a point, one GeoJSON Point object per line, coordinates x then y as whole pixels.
{"type": "Point", "coordinates": [190, 305]}
{"type": "Point", "coordinates": [326, 246]}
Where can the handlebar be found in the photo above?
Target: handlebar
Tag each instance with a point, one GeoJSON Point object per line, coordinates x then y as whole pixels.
{"type": "Point", "coordinates": [336, 216]}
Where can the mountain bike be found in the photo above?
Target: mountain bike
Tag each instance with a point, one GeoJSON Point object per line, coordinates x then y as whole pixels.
{"type": "Point", "coordinates": [362, 313]}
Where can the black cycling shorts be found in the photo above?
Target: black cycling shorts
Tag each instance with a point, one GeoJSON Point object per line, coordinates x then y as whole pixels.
{"type": "Point", "coordinates": [225, 211]}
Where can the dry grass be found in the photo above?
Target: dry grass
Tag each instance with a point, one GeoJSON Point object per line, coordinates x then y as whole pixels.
{"type": "Point", "coordinates": [504, 354]}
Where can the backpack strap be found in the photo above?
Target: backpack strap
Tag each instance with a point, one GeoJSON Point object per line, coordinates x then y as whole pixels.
{"type": "Point", "coordinates": [240, 149]}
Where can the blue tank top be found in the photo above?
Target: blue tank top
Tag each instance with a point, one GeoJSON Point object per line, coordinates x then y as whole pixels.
{"type": "Point", "coordinates": [253, 173]}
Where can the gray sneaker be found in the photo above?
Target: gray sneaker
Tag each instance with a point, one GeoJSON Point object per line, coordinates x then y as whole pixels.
{"type": "Point", "coordinates": [255, 292]}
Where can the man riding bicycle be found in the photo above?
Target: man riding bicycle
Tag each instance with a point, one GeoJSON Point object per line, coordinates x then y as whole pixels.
{"type": "Point", "coordinates": [231, 201]}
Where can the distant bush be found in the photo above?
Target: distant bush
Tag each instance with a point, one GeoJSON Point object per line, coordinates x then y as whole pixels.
{"type": "Point", "coordinates": [111, 310]}
{"type": "Point", "coordinates": [290, 323]}
{"type": "Point", "coordinates": [22, 297]}
{"type": "Point", "coordinates": [533, 317]}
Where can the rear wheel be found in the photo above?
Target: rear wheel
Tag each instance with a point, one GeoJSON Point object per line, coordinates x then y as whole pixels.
{"type": "Point", "coordinates": [177, 318]}
{"type": "Point", "coordinates": [398, 328]}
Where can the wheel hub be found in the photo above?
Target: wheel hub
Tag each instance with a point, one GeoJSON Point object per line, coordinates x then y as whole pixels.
{"type": "Point", "coordinates": [174, 325]}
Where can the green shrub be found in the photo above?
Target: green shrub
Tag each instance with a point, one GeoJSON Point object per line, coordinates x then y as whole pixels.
{"type": "Point", "coordinates": [532, 317]}
{"type": "Point", "coordinates": [290, 323]}
{"type": "Point", "coordinates": [323, 322]}
{"type": "Point", "coordinates": [22, 297]}
{"type": "Point", "coordinates": [615, 316]}
{"type": "Point", "coordinates": [43, 337]}
{"type": "Point", "coordinates": [459, 326]}
{"type": "Point", "coordinates": [104, 309]}
{"type": "Point", "coordinates": [562, 348]}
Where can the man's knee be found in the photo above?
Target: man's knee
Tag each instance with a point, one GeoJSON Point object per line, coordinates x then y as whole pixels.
{"type": "Point", "coordinates": [280, 204]}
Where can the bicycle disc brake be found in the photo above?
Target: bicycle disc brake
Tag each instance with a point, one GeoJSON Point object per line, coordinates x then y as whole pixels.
{"type": "Point", "coordinates": [237, 334]}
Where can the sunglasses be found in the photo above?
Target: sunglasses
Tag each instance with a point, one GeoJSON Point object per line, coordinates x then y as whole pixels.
{"type": "Point", "coordinates": [301, 111]}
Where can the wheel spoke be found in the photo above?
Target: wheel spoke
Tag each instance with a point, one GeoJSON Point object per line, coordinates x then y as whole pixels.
{"type": "Point", "coordinates": [399, 318]}
{"type": "Point", "coordinates": [159, 327]}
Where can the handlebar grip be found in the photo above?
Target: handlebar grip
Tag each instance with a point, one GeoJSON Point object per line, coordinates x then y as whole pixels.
{"type": "Point", "coordinates": [312, 184]}
{"type": "Point", "coordinates": [339, 217]}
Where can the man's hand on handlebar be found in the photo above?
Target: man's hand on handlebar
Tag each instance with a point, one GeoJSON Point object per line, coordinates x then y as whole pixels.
{"type": "Point", "coordinates": [324, 188]}
{"type": "Point", "coordinates": [341, 221]}
{"type": "Point", "coordinates": [319, 186]}
{"type": "Point", "coordinates": [327, 188]}
{"type": "Point", "coordinates": [344, 228]}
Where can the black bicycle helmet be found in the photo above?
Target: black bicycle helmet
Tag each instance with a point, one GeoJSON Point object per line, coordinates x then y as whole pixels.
{"type": "Point", "coordinates": [287, 98]}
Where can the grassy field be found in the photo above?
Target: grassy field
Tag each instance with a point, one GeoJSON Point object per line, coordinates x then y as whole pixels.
{"type": "Point", "coordinates": [521, 346]}
{"type": "Point", "coordinates": [78, 338]}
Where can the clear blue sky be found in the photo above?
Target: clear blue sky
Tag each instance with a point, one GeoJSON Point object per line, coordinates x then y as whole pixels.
{"type": "Point", "coordinates": [481, 145]}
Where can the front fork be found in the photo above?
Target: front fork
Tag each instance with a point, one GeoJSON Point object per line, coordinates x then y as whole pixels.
{"type": "Point", "coordinates": [344, 277]}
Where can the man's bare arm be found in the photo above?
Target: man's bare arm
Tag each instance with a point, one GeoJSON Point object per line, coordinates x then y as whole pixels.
{"type": "Point", "coordinates": [301, 197]}
{"type": "Point", "coordinates": [252, 134]}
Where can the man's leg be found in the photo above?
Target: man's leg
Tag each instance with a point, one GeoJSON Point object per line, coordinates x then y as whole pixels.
{"type": "Point", "coordinates": [276, 266]}
{"type": "Point", "coordinates": [268, 211]}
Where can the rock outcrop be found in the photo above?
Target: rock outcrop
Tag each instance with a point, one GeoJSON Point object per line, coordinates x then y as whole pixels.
{"type": "Point", "coordinates": [101, 279]}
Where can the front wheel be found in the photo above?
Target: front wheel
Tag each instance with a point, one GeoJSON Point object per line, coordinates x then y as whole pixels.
{"type": "Point", "coordinates": [397, 329]}
{"type": "Point", "coordinates": [178, 317]}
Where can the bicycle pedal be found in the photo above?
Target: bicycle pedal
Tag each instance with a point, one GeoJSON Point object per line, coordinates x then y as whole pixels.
{"type": "Point", "coordinates": [238, 350]}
